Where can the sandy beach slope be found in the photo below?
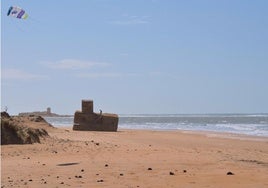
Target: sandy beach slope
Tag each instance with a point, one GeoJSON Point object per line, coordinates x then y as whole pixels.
{"type": "Point", "coordinates": [136, 158]}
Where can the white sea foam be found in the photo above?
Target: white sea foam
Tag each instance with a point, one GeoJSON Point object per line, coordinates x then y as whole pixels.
{"type": "Point", "coordinates": [249, 124]}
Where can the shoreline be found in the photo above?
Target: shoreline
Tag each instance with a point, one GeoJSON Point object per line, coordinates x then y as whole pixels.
{"type": "Point", "coordinates": [227, 135]}
{"type": "Point", "coordinates": [252, 125]}
{"type": "Point", "coordinates": [136, 158]}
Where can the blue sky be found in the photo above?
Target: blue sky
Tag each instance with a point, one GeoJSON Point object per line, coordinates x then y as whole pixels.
{"type": "Point", "coordinates": [139, 56]}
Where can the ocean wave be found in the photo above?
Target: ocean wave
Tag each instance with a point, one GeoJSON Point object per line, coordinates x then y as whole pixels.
{"type": "Point", "coordinates": [249, 125]}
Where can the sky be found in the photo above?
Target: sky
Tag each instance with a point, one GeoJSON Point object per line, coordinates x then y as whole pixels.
{"type": "Point", "coordinates": [136, 56]}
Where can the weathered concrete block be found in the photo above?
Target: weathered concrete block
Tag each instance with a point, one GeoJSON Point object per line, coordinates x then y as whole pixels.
{"type": "Point", "coordinates": [87, 120]}
{"type": "Point", "coordinates": [87, 106]}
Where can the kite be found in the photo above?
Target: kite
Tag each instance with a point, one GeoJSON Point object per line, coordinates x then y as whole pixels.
{"type": "Point", "coordinates": [17, 12]}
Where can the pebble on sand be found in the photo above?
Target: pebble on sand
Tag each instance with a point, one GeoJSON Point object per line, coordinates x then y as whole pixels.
{"type": "Point", "coordinates": [230, 173]}
{"type": "Point", "coordinates": [171, 173]}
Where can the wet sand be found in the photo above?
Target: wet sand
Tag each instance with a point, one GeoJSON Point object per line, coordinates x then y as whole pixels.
{"type": "Point", "coordinates": [137, 158]}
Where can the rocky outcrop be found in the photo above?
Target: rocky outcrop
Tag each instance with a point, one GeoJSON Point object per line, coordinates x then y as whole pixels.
{"type": "Point", "coordinates": [87, 120]}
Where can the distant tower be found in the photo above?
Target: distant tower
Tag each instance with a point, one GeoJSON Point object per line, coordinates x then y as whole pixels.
{"type": "Point", "coordinates": [48, 110]}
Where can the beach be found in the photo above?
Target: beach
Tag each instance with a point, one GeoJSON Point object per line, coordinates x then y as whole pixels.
{"type": "Point", "coordinates": [134, 94]}
{"type": "Point", "coordinates": [136, 158]}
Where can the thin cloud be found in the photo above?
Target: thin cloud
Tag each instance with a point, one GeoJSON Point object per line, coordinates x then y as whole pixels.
{"type": "Point", "coordinates": [104, 75]}
{"type": "Point", "coordinates": [73, 64]}
{"type": "Point", "coordinates": [131, 20]}
{"type": "Point", "coordinates": [16, 74]}
{"type": "Point", "coordinates": [162, 74]}
{"type": "Point", "coordinates": [124, 54]}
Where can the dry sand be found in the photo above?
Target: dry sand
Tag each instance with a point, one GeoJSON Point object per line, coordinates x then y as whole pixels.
{"type": "Point", "coordinates": [136, 158]}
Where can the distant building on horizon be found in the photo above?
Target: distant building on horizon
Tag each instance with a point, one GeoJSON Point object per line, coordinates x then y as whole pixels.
{"type": "Point", "coordinates": [46, 113]}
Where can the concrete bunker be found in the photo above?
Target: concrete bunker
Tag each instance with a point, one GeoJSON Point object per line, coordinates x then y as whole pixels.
{"type": "Point", "coordinates": [88, 120]}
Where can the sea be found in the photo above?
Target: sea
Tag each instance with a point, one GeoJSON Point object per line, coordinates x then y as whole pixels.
{"type": "Point", "coordinates": [247, 124]}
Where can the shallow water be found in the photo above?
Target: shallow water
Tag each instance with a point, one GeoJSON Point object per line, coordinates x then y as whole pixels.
{"type": "Point", "coordinates": [249, 124]}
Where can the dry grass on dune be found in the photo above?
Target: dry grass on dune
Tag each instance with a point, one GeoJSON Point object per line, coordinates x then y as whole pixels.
{"type": "Point", "coordinates": [16, 130]}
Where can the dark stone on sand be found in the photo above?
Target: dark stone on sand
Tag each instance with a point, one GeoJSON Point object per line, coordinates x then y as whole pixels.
{"type": "Point", "coordinates": [82, 170]}
{"type": "Point", "coordinates": [171, 173]}
{"type": "Point", "coordinates": [184, 171]}
{"type": "Point", "coordinates": [97, 144]}
{"type": "Point", "coordinates": [100, 181]}
{"type": "Point", "coordinates": [62, 183]}
{"type": "Point", "coordinates": [106, 165]}
{"type": "Point", "coordinates": [121, 174]}
{"type": "Point", "coordinates": [30, 180]}
{"type": "Point", "coordinates": [230, 173]}
{"type": "Point", "coordinates": [149, 169]}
